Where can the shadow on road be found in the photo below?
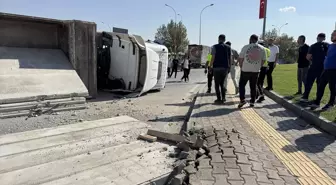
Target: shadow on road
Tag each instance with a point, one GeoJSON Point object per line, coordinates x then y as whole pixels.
{"type": "Point", "coordinates": [312, 143]}
{"type": "Point", "coordinates": [293, 124]}
{"type": "Point", "coordinates": [217, 112]}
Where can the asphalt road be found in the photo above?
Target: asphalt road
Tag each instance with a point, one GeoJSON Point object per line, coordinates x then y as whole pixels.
{"type": "Point", "coordinates": [164, 110]}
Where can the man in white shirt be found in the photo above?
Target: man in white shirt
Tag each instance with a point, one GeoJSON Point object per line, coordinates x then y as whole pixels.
{"type": "Point", "coordinates": [251, 58]}
{"type": "Point", "coordinates": [272, 61]}
{"type": "Point", "coordinates": [232, 69]}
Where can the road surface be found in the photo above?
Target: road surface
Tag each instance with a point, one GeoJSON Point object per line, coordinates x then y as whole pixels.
{"type": "Point", "coordinates": [164, 110]}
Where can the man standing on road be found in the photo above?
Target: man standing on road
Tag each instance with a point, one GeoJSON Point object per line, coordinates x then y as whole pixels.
{"type": "Point", "coordinates": [328, 77]}
{"type": "Point", "coordinates": [209, 71]}
{"type": "Point", "coordinates": [170, 65]}
{"type": "Point", "coordinates": [220, 63]}
{"type": "Point", "coordinates": [251, 58]}
{"type": "Point", "coordinates": [262, 74]}
{"type": "Point", "coordinates": [316, 55]}
{"type": "Point", "coordinates": [303, 63]}
{"type": "Point", "coordinates": [272, 61]}
{"type": "Point", "coordinates": [232, 70]}
{"type": "Point", "coordinates": [175, 66]}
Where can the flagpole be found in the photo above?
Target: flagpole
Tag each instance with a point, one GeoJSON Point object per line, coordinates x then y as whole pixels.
{"type": "Point", "coordinates": [264, 24]}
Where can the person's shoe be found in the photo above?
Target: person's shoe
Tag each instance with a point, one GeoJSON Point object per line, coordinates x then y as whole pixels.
{"type": "Point", "coordinates": [208, 91]}
{"type": "Point", "coordinates": [218, 101]}
{"type": "Point", "coordinates": [298, 93]}
{"type": "Point", "coordinates": [327, 107]}
{"type": "Point", "coordinates": [268, 89]}
{"type": "Point", "coordinates": [314, 106]}
{"type": "Point", "coordinates": [251, 104]}
{"type": "Point", "coordinates": [261, 99]}
{"type": "Point", "coordinates": [224, 100]}
{"type": "Point", "coordinates": [304, 100]}
{"type": "Point", "coordinates": [241, 104]}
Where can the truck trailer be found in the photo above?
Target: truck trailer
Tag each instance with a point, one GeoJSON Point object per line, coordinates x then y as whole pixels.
{"type": "Point", "coordinates": [198, 55]}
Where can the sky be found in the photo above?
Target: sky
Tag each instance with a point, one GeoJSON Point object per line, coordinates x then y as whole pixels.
{"type": "Point", "coordinates": [237, 19]}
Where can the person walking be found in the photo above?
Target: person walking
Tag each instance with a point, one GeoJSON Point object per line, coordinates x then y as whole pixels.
{"type": "Point", "coordinates": [272, 62]}
{"type": "Point", "coordinates": [303, 63]}
{"type": "Point", "coordinates": [316, 55]}
{"type": "Point", "coordinates": [262, 74]}
{"type": "Point", "coordinates": [328, 77]}
{"type": "Point", "coordinates": [232, 70]}
{"type": "Point", "coordinates": [251, 58]}
{"type": "Point", "coordinates": [209, 72]}
{"type": "Point", "coordinates": [189, 69]}
{"type": "Point", "coordinates": [220, 63]}
{"type": "Point", "coordinates": [185, 70]}
{"type": "Point", "coordinates": [174, 68]}
{"type": "Point", "coordinates": [170, 65]}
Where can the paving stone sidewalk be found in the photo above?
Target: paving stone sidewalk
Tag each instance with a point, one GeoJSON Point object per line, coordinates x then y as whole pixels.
{"type": "Point", "coordinates": [237, 154]}
{"type": "Point", "coordinates": [319, 146]}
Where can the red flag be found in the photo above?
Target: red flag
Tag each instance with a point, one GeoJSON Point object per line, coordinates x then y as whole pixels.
{"type": "Point", "coordinates": [262, 9]}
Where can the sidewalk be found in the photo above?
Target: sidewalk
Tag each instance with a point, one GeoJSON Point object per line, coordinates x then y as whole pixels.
{"type": "Point", "coordinates": [273, 146]}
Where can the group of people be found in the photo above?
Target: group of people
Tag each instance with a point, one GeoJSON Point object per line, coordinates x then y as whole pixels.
{"type": "Point", "coordinates": [257, 61]}
{"type": "Point", "coordinates": [173, 67]}
{"type": "Point", "coordinates": [317, 63]}
{"type": "Point", "coordinates": [252, 62]}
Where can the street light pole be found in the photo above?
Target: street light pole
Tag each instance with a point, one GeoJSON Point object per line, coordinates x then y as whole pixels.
{"type": "Point", "coordinates": [108, 26]}
{"type": "Point", "coordinates": [200, 25]}
{"type": "Point", "coordinates": [180, 16]}
{"type": "Point", "coordinates": [279, 28]}
{"type": "Point", "coordinates": [175, 28]}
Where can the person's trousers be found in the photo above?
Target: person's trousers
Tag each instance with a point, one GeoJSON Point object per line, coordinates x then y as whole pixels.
{"type": "Point", "coordinates": [261, 80]}
{"type": "Point", "coordinates": [168, 71]}
{"type": "Point", "coordinates": [328, 77]}
{"type": "Point", "coordinates": [301, 77]}
{"type": "Point", "coordinates": [312, 76]}
{"type": "Point", "coordinates": [210, 78]}
{"type": "Point", "coordinates": [174, 71]}
{"type": "Point", "coordinates": [233, 77]}
{"type": "Point", "coordinates": [185, 74]}
{"type": "Point", "coordinates": [252, 78]}
{"type": "Point", "coordinates": [271, 66]}
{"type": "Point", "coordinates": [220, 74]}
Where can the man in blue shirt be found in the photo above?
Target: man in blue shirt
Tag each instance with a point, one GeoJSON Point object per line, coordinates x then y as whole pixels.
{"type": "Point", "coordinates": [316, 55]}
{"type": "Point", "coordinates": [220, 64]}
{"type": "Point", "coordinates": [328, 77]}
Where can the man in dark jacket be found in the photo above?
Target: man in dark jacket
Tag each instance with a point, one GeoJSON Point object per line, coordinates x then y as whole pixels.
{"type": "Point", "coordinates": [316, 55]}
{"type": "Point", "coordinates": [220, 64]}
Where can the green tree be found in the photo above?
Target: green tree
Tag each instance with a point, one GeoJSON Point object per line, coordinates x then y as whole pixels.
{"type": "Point", "coordinates": [173, 36]}
{"type": "Point", "coordinates": [287, 45]}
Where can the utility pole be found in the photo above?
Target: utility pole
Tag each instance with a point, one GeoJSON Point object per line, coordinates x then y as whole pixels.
{"type": "Point", "coordinates": [264, 24]}
{"type": "Point", "coordinates": [200, 24]}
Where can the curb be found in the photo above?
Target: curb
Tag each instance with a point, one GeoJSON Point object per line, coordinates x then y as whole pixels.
{"type": "Point", "coordinates": [311, 118]}
{"type": "Point", "coordinates": [189, 124]}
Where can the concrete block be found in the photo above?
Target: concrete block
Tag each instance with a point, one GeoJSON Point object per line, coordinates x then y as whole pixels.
{"type": "Point", "coordinates": [292, 107]}
{"type": "Point", "coordinates": [178, 179]}
{"type": "Point", "coordinates": [183, 155]}
{"type": "Point", "coordinates": [311, 118]}
{"type": "Point", "coordinates": [184, 146]}
{"type": "Point", "coordinates": [147, 137]}
{"type": "Point", "coordinates": [166, 136]}
{"type": "Point", "coordinates": [328, 126]}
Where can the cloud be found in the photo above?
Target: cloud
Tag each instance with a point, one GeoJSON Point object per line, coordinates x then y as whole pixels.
{"type": "Point", "coordinates": [288, 9]}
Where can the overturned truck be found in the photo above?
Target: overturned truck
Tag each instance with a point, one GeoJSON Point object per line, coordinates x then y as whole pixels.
{"type": "Point", "coordinates": [126, 63]}
{"type": "Point", "coordinates": [45, 64]}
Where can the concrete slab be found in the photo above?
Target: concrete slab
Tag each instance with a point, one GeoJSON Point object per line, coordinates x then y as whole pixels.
{"type": "Point", "coordinates": [95, 152]}
{"type": "Point", "coordinates": [27, 73]}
